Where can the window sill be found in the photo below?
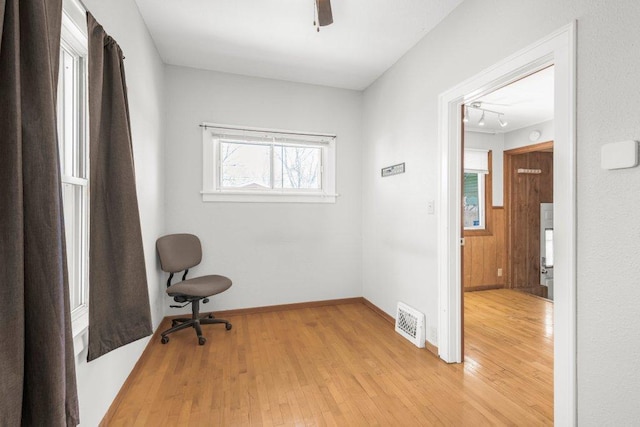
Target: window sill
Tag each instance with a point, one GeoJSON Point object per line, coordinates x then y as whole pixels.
{"type": "Point", "coordinates": [477, 232]}
{"type": "Point", "coordinates": [263, 197]}
{"type": "Point", "coordinates": [80, 341]}
{"type": "Point", "coordinates": [80, 331]}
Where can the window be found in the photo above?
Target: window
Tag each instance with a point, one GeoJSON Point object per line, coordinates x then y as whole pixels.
{"type": "Point", "coordinates": [257, 165]}
{"type": "Point", "coordinates": [473, 201]}
{"type": "Point", "coordinates": [73, 150]}
{"type": "Point", "coordinates": [476, 169]}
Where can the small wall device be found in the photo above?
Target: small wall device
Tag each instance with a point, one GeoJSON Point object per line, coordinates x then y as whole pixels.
{"type": "Point", "coordinates": [619, 155]}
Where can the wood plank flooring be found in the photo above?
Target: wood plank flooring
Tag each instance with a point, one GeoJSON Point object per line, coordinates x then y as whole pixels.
{"type": "Point", "coordinates": [344, 365]}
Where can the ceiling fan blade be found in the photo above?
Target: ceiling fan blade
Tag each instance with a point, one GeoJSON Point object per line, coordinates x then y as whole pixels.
{"type": "Point", "coordinates": [325, 16]}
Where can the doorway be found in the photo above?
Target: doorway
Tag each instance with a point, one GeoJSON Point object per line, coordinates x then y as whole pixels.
{"type": "Point", "coordinates": [505, 179]}
{"type": "Point", "coordinates": [559, 49]}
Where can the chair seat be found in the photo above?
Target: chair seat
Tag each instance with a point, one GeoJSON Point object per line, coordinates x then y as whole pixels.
{"type": "Point", "coordinates": [203, 286]}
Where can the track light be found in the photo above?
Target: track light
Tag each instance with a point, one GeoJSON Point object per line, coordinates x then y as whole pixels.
{"type": "Point", "coordinates": [482, 122]}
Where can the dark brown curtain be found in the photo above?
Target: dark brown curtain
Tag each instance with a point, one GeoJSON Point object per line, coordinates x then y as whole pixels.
{"type": "Point", "coordinates": [119, 299]}
{"type": "Point", "coordinates": [37, 370]}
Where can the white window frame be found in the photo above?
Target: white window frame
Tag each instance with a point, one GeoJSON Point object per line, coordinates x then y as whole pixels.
{"type": "Point", "coordinates": [213, 191]}
{"type": "Point", "coordinates": [73, 39]}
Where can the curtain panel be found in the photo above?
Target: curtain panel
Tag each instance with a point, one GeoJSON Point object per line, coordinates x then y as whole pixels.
{"type": "Point", "coordinates": [119, 311]}
{"type": "Point", "coordinates": [37, 366]}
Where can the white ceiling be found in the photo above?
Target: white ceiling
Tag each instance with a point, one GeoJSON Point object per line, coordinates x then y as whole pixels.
{"type": "Point", "coordinates": [276, 38]}
{"type": "Point", "coordinates": [524, 103]}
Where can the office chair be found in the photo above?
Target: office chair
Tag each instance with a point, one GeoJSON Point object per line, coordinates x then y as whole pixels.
{"type": "Point", "coordinates": [180, 252]}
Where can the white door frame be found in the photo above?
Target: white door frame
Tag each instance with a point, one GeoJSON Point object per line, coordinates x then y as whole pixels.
{"type": "Point", "coordinates": [559, 49]}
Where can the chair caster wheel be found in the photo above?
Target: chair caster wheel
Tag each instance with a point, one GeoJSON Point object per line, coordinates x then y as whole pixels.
{"type": "Point", "coordinates": [164, 340]}
{"type": "Point", "coordinates": [210, 316]}
{"type": "Point", "coordinates": [173, 323]}
{"type": "Point", "coordinates": [228, 326]}
{"type": "Point", "coordinates": [202, 340]}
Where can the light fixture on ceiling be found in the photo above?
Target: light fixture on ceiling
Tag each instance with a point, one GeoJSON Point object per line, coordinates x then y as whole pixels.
{"type": "Point", "coordinates": [322, 13]}
{"type": "Point", "coordinates": [481, 122]}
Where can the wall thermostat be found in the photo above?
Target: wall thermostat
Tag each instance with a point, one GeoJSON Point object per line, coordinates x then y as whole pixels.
{"type": "Point", "coordinates": [619, 155]}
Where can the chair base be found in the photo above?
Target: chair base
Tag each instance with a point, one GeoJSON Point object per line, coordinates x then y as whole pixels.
{"type": "Point", "coordinates": [195, 321]}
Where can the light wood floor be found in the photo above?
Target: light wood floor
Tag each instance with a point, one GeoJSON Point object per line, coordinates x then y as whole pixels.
{"type": "Point", "coordinates": [344, 365]}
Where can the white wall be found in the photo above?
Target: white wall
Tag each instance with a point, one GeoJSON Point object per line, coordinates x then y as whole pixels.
{"type": "Point", "coordinates": [275, 253]}
{"type": "Point", "coordinates": [100, 380]}
{"type": "Point", "coordinates": [520, 137]}
{"type": "Point", "coordinates": [400, 124]}
{"type": "Point", "coordinates": [495, 143]}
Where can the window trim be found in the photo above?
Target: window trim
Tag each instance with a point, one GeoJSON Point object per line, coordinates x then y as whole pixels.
{"type": "Point", "coordinates": [73, 38]}
{"type": "Point", "coordinates": [212, 191]}
{"type": "Point", "coordinates": [488, 203]}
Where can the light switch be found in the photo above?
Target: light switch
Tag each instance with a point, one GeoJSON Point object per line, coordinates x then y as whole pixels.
{"type": "Point", "coordinates": [619, 155]}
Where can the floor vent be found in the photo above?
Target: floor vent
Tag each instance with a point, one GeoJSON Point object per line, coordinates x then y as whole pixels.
{"type": "Point", "coordinates": [410, 324]}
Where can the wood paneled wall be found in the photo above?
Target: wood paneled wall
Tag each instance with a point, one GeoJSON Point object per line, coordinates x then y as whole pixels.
{"type": "Point", "coordinates": [483, 255]}
{"type": "Point", "coordinates": [483, 252]}
{"type": "Point", "coordinates": [513, 232]}
{"type": "Point", "coordinates": [524, 192]}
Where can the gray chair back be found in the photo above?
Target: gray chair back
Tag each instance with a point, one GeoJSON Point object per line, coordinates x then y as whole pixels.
{"type": "Point", "coordinates": [179, 252]}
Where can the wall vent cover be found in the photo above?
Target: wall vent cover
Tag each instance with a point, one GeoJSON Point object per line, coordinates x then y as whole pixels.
{"type": "Point", "coordinates": [410, 324]}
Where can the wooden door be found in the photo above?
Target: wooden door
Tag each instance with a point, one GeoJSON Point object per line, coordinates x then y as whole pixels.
{"type": "Point", "coordinates": [530, 182]}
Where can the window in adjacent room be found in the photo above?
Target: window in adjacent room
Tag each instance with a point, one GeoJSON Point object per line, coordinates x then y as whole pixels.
{"type": "Point", "coordinates": [74, 157]}
{"type": "Point", "coordinates": [476, 168]}
{"type": "Point", "coordinates": [255, 165]}
{"type": "Point", "coordinates": [473, 201]}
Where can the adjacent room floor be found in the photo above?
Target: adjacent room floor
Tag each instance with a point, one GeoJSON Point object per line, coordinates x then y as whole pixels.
{"type": "Point", "coordinates": [345, 365]}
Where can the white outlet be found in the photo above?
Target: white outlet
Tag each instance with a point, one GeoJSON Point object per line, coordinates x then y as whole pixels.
{"type": "Point", "coordinates": [431, 207]}
{"type": "Point", "coordinates": [499, 272]}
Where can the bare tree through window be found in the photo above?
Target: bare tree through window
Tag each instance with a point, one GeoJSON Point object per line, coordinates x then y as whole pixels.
{"type": "Point", "coordinates": [261, 165]}
{"type": "Point", "coordinates": [299, 167]}
{"type": "Point", "coordinates": [249, 166]}
{"type": "Point", "coordinates": [228, 150]}
{"type": "Point", "coordinates": [245, 165]}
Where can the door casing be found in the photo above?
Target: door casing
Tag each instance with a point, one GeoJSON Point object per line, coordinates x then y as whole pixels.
{"type": "Point", "coordinates": [558, 49]}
